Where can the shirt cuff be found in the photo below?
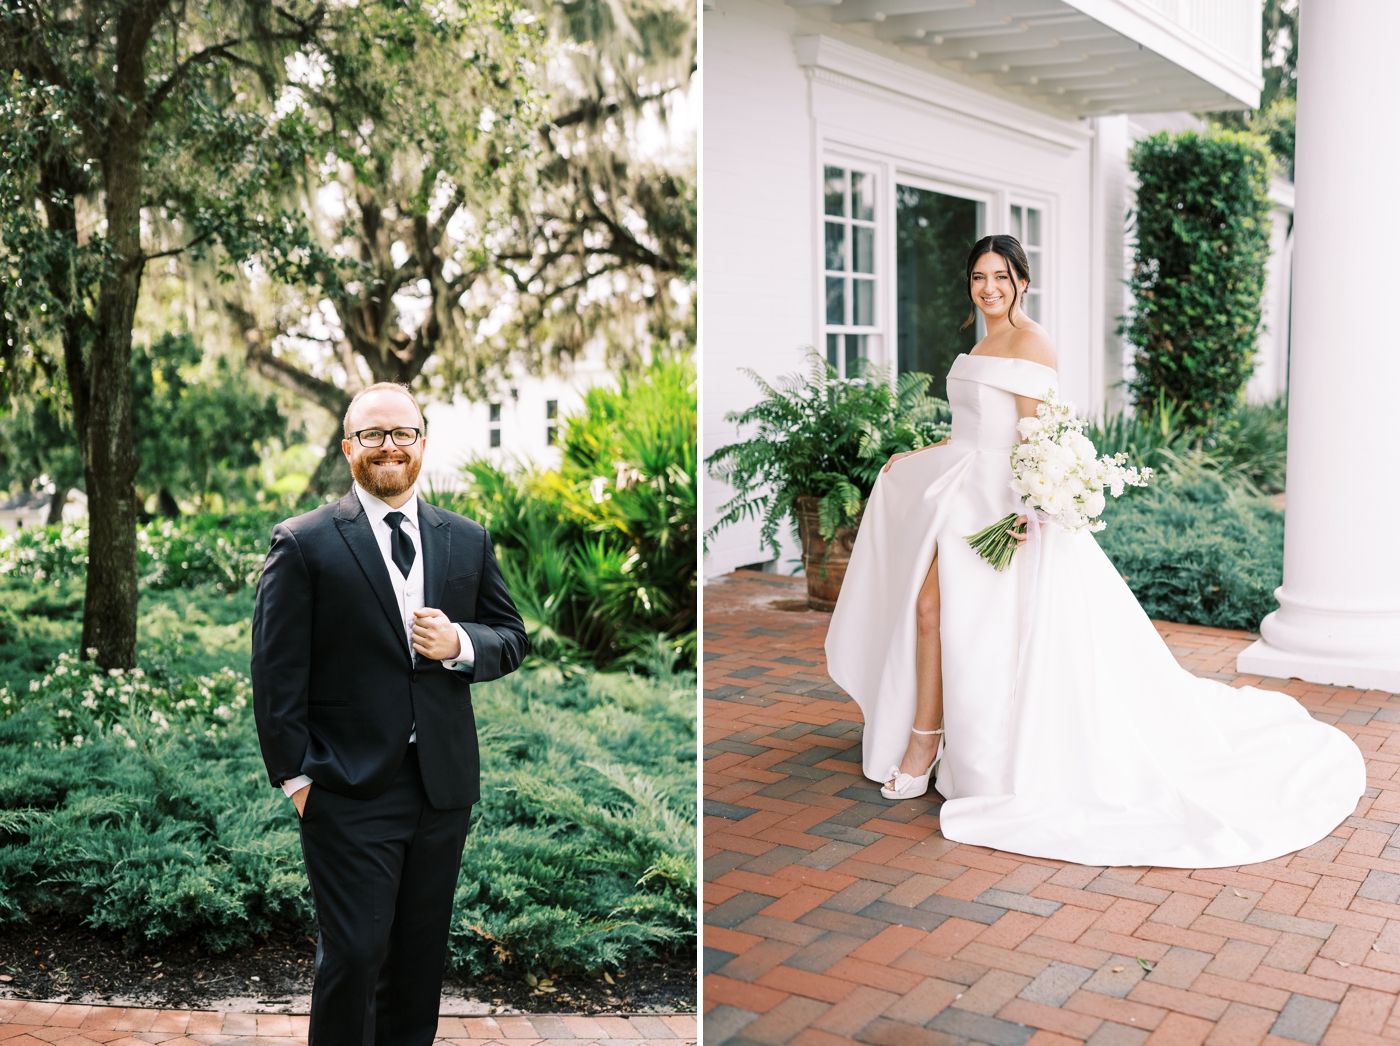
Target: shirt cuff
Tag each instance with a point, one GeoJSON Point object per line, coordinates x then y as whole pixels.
{"type": "Point", "coordinates": [295, 784]}
{"type": "Point", "coordinates": [466, 657]}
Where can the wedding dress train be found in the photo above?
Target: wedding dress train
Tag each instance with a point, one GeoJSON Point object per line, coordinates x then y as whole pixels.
{"type": "Point", "coordinates": [1072, 733]}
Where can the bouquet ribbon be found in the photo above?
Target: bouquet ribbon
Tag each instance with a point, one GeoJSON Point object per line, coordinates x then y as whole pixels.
{"type": "Point", "coordinates": [1033, 567]}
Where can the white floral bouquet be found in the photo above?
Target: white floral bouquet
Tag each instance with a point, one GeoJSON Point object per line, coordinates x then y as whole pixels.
{"type": "Point", "coordinates": [1057, 473]}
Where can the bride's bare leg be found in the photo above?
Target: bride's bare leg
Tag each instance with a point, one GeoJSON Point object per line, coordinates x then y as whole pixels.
{"type": "Point", "coordinates": [928, 678]}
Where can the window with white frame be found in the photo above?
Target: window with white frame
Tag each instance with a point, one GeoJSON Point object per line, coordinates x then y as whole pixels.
{"type": "Point", "coordinates": [848, 265]}
{"type": "Point", "coordinates": [1028, 226]}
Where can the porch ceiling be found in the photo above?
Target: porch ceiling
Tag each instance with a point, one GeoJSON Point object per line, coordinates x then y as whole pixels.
{"type": "Point", "coordinates": [1083, 57]}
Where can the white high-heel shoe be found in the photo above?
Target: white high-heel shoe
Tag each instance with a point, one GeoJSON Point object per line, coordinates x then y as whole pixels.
{"type": "Point", "coordinates": [907, 786]}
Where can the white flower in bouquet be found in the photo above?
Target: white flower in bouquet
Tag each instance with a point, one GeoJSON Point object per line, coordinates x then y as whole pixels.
{"type": "Point", "coordinates": [1058, 473]}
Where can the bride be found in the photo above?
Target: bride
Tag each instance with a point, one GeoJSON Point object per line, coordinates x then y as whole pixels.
{"type": "Point", "coordinates": [1041, 699]}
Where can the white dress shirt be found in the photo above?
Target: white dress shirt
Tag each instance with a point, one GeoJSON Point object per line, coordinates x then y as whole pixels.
{"type": "Point", "coordinates": [407, 590]}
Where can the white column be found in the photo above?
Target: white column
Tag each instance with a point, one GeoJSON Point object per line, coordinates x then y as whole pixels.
{"type": "Point", "coordinates": [1338, 620]}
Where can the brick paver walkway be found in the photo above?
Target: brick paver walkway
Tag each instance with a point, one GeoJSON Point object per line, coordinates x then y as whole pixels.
{"type": "Point", "coordinates": [41, 1023]}
{"type": "Point", "coordinates": [833, 915]}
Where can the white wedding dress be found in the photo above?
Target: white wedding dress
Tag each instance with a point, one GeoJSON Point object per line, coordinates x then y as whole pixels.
{"type": "Point", "coordinates": [1072, 733]}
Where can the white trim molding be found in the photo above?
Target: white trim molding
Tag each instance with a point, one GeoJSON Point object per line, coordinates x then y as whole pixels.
{"type": "Point", "coordinates": [847, 65]}
{"type": "Point", "coordinates": [1178, 45]}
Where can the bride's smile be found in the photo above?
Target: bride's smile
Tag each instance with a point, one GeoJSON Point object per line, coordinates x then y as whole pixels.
{"type": "Point", "coordinates": [993, 288]}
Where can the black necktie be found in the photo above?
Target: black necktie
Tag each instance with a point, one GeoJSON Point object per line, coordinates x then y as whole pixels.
{"type": "Point", "coordinates": [400, 544]}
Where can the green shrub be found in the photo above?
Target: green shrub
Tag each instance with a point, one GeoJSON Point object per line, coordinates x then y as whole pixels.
{"type": "Point", "coordinates": [1251, 442]}
{"type": "Point", "coordinates": [600, 556]}
{"type": "Point", "coordinates": [1278, 123]}
{"type": "Point", "coordinates": [1155, 439]}
{"type": "Point", "coordinates": [77, 702]}
{"type": "Point", "coordinates": [1247, 446]}
{"type": "Point", "coordinates": [226, 551]}
{"type": "Point", "coordinates": [1197, 549]}
{"type": "Point", "coordinates": [154, 835]}
{"type": "Point", "coordinates": [825, 437]}
{"type": "Point", "coordinates": [1202, 224]}
{"type": "Point", "coordinates": [581, 854]}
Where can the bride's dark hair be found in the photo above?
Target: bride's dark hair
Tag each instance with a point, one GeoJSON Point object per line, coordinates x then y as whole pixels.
{"type": "Point", "coordinates": [1009, 248]}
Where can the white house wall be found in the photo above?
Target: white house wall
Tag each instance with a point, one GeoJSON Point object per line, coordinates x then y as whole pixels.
{"type": "Point", "coordinates": [770, 123]}
{"type": "Point", "coordinates": [461, 430]}
{"type": "Point", "coordinates": [1270, 377]}
{"type": "Point", "coordinates": [758, 227]}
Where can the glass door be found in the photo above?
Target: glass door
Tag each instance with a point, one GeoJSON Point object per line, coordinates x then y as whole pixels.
{"type": "Point", "coordinates": [933, 232]}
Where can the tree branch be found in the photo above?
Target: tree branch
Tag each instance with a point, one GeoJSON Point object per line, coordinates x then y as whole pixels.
{"type": "Point", "coordinates": [182, 71]}
{"type": "Point", "coordinates": [258, 354]}
{"type": "Point", "coordinates": [177, 250]}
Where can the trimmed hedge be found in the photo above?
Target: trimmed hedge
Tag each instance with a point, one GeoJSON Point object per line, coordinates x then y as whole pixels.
{"type": "Point", "coordinates": [1202, 245]}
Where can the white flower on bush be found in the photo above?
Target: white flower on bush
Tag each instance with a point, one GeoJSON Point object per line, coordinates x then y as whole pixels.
{"type": "Point", "coordinates": [170, 553]}
{"type": "Point", "coordinates": [79, 698]}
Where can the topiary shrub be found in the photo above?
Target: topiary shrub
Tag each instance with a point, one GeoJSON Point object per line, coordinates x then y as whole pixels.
{"type": "Point", "coordinates": [1202, 245]}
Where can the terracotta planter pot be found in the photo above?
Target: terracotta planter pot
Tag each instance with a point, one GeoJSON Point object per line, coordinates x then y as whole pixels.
{"type": "Point", "coordinates": [824, 572]}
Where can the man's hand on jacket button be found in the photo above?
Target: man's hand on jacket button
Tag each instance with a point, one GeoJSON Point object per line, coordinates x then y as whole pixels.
{"type": "Point", "coordinates": [434, 636]}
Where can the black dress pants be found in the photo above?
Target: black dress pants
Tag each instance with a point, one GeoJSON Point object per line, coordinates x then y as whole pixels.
{"type": "Point", "coordinates": [383, 873]}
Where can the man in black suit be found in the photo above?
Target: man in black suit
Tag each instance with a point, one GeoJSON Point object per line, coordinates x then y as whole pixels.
{"type": "Point", "coordinates": [374, 615]}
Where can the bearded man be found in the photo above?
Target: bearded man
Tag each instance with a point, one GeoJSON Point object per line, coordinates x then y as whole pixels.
{"type": "Point", "coordinates": [375, 614]}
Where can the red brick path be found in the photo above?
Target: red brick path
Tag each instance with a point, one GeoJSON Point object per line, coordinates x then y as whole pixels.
{"type": "Point", "coordinates": [833, 915]}
{"type": "Point", "coordinates": [40, 1023]}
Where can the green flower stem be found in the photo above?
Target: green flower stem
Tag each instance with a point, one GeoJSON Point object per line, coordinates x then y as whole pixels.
{"type": "Point", "coordinates": [996, 544]}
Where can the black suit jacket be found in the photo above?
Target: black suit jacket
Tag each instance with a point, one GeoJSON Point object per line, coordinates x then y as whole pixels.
{"type": "Point", "coordinates": [336, 687]}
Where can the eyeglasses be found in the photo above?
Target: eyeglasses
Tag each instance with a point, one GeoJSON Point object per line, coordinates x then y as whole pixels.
{"type": "Point", "coordinates": [375, 437]}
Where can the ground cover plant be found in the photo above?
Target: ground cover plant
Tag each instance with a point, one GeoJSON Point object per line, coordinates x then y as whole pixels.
{"type": "Point", "coordinates": [135, 802]}
{"type": "Point", "coordinates": [138, 804]}
{"type": "Point", "coordinates": [1203, 544]}
{"type": "Point", "coordinates": [1197, 549]}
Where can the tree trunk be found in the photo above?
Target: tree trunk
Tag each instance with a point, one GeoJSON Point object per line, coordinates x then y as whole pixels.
{"type": "Point", "coordinates": [332, 475]}
{"type": "Point", "coordinates": [60, 498]}
{"type": "Point", "coordinates": [109, 460]}
{"type": "Point", "coordinates": [166, 504]}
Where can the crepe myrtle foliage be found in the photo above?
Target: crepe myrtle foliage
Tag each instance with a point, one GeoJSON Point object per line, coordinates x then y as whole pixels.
{"type": "Point", "coordinates": [1202, 224]}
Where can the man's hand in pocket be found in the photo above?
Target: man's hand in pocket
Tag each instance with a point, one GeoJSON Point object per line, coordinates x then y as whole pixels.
{"type": "Point", "coordinates": [299, 798]}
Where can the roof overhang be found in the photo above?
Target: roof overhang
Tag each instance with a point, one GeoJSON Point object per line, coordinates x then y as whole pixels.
{"type": "Point", "coordinates": [1079, 57]}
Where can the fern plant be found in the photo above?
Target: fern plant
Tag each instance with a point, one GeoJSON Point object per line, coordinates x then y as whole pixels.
{"type": "Point", "coordinates": [822, 436]}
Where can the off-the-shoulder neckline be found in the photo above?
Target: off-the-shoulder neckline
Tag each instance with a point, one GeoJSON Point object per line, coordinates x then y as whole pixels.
{"type": "Point", "coordinates": [1009, 359]}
